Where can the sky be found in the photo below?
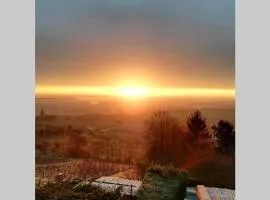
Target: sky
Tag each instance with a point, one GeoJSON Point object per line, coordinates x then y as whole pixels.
{"type": "Point", "coordinates": [165, 44]}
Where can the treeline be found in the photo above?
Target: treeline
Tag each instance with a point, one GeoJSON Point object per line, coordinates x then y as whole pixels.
{"type": "Point", "coordinates": [168, 141]}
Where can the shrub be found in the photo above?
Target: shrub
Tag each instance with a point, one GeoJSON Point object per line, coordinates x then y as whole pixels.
{"type": "Point", "coordinates": [167, 171]}
{"type": "Point", "coordinates": [182, 189]}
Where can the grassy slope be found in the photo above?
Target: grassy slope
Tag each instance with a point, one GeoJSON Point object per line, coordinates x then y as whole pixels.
{"type": "Point", "coordinates": [159, 188]}
{"type": "Point", "coordinates": [163, 182]}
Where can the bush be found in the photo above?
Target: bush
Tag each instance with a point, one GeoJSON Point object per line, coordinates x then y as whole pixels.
{"type": "Point", "coordinates": [182, 189]}
{"type": "Point", "coordinates": [161, 130]}
{"type": "Point", "coordinates": [214, 173]}
{"type": "Point", "coordinates": [164, 182]}
{"type": "Point", "coordinates": [193, 182]}
{"type": "Point", "coordinates": [166, 171]}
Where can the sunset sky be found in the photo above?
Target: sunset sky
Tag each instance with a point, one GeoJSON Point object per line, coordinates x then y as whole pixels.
{"type": "Point", "coordinates": [147, 43]}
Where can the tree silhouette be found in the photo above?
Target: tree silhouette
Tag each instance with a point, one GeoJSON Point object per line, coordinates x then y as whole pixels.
{"type": "Point", "coordinates": [163, 134]}
{"type": "Point", "coordinates": [76, 144]}
{"type": "Point", "coordinates": [197, 128]}
{"type": "Point", "coordinates": [225, 137]}
{"type": "Point", "coordinates": [42, 113]}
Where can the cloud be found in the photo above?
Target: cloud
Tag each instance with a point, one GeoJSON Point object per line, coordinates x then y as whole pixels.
{"type": "Point", "coordinates": [184, 38]}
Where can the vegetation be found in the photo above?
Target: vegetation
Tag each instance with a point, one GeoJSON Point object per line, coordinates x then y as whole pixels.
{"type": "Point", "coordinates": [198, 134]}
{"type": "Point", "coordinates": [164, 182]}
{"type": "Point", "coordinates": [79, 142]}
{"type": "Point", "coordinates": [215, 172]}
{"type": "Point", "coordinates": [225, 137]}
{"type": "Point", "coordinates": [165, 138]}
{"type": "Point", "coordinates": [181, 192]}
{"type": "Point", "coordinates": [42, 113]}
{"type": "Point", "coordinates": [48, 169]}
{"type": "Point", "coordinates": [195, 149]}
{"type": "Point", "coordinates": [89, 154]}
{"type": "Point", "coordinates": [166, 171]}
{"type": "Point", "coordinates": [76, 143]}
{"type": "Point", "coordinates": [66, 190]}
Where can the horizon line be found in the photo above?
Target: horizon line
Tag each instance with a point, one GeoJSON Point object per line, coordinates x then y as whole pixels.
{"type": "Point", "coordinates": [114, 91]}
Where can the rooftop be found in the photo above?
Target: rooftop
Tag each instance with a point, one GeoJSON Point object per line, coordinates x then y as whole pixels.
{"type": "Point", "coordinates": [110, 183]}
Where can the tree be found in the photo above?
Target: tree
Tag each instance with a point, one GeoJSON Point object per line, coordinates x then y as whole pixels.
{"type": "Point", "coordinates": [42, 113]}
{"type": "Point", "coordinates": [163, 134]}
{"type": "Point", "coordinates": [197, 129]}
{"type": "Point", "coordinates": [76, 144]}
{"type": "Point", "coordinates": [225, 137]}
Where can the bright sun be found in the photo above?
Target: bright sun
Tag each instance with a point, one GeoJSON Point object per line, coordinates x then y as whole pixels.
{"type": "Point", "coordinates": [133, 91]}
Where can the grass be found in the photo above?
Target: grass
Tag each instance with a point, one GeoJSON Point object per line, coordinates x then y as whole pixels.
{"type": "Point", "coordinates": [57, 178]}
{"type": "Point", "coordinates": [163, 182]}
{"type": "Point", "coordinates": [66, 190]}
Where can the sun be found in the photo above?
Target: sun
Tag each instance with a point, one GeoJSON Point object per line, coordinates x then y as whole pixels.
{"type": "Point", "coordinates": [133, 91]}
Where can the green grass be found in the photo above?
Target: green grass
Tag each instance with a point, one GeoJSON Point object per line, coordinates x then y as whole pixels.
{"type": "Point", "coordinates": [163, 182]}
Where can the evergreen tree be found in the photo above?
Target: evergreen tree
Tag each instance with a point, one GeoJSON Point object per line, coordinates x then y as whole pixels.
{"type": "Point", "coordinates": [197, 129]}
{"type": "Point", "coordinates": [225, 137]}
{"type": "Point", "coordinates": [42, 113]}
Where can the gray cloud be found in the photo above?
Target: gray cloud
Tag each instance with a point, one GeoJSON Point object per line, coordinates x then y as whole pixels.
{"type": "Point", "coordinates": [188, 38]}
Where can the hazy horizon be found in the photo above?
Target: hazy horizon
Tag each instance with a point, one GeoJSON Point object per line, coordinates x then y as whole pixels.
{"type": "Point", "coordinates": [139, 90]}
{"type": "Point", "coordinates": [87, 104]}
{"type": "Point", "coordinates": [147, 45]}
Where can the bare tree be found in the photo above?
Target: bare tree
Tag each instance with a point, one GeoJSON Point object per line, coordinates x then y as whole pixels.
{"type": "Point", "coordinates": [163, 134]}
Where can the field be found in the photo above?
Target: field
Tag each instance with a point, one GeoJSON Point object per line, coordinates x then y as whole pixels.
{"type": "Point", "coordinates": [49, 169]}
{"type": "Point", "coordinates": [84, 139]}
{"type": "Point", "coordinates": [58, 178]}
{"type": "Point", "coordinates": [115, 124]}
{"type": "Point", "coordinates": [72, 189]}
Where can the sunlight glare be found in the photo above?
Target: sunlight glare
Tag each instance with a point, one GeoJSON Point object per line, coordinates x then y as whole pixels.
{"type": "Point", "coordinates": [133, 91]}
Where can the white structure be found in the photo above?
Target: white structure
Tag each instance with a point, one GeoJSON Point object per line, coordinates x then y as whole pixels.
{"type": "Point", "coordinates": [110, 183]}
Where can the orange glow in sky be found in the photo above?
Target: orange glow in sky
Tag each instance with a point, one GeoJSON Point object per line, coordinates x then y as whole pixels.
{"type": "Point", "coordinates": [133, 91]}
